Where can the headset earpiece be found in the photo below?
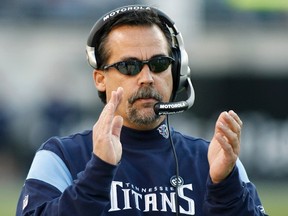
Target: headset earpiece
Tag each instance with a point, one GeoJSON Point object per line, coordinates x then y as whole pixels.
{"type": "Point", "coordinates": [176, 71]}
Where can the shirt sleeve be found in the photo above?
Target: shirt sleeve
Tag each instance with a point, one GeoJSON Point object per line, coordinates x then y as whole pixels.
{"type": "Point", "coordinates": [233, 196]}
{"type": "Point", "coordinates": [50, 190]}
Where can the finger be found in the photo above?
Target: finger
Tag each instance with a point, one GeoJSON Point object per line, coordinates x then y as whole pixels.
{"type": "Point", "coordinates": [105, 119]}
{"type": "Point", "coordinates": [109, 109]}
{"type": "Point", "coordinates": [236, 117]}
{"type": "Point", "coordinates": [232, 121]}
{"type": "Point", "coordinates": [107, 112]}
{"type": "Point", "coordinates": [220, 121]}
{"type": "Point", "coordinates": [230, 136]}
{"type": "Point", "coordinates": [116, 96]}
{"type": "Point", "coordinates": [223, 143]}
{"type": "Point", "coordinates": [117, 125]}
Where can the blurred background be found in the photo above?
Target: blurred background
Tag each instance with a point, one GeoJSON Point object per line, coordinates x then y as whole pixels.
{"type": "Point", "coordinates": [238, 53]}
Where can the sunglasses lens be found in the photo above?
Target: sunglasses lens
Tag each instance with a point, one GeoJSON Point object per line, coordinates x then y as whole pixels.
{"type": "Point", "coordinates": [160, 64]}
{"type": "Point", "coordinates": [133, 67]}
{"type": "Point", "coordinates": [129, 67]}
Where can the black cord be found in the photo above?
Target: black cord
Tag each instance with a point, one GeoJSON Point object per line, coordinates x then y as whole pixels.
{"type": "Point", "coordinates": [176, 164]}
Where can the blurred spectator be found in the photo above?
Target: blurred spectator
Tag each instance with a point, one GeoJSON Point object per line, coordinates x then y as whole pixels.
{"type": "Point", "coordinates": [58, 115]}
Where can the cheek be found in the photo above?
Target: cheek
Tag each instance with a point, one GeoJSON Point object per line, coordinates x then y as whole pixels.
{"type": "Point", "coordinates": [166, 85]}
{"type": "Point", "coordinates": [170, 83]}
{"type": "Point", "coordinates": [112, 83]}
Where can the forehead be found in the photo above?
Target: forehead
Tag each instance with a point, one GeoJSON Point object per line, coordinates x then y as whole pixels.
{"type": "Point", "coordinates": [136, 41]}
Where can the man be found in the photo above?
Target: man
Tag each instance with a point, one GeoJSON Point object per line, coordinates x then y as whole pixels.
{"type": "Point", "coordinates": [131, 163]}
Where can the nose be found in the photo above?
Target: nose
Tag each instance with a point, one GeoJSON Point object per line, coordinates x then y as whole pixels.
{"type": "Point", "coordinates": [145, 77]}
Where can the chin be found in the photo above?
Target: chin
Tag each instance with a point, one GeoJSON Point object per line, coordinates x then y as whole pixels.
{"type": "Point", "coordinates": [143, 116]}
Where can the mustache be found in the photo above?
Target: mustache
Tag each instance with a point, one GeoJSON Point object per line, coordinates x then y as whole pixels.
{"type": "Point", "coordinates": [145, 92]}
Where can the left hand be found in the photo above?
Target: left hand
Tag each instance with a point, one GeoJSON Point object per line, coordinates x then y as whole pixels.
{"type": "Point", "coordinates": [224, 148]}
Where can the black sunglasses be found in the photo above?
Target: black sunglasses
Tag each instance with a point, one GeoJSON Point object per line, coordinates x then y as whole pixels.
{"type": "Point", "coordinates": [133, 67]}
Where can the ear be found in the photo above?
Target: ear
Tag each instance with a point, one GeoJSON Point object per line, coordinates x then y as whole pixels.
{"type": "Point", "coordinates": [99, 80]}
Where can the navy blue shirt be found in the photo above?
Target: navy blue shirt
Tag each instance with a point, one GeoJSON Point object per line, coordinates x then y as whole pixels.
{"type": "Point", "coordinates": [66, 178]}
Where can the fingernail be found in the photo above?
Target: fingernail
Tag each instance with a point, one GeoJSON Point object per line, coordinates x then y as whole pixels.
{"type": "Point", "coordinates": [232, 111]}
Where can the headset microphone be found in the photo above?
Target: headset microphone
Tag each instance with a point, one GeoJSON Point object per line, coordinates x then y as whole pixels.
{"type": "Point", "coordinates": [177, 107]}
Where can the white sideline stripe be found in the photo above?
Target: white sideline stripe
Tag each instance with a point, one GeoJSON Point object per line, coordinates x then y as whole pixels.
{"type": "Point", "coordinates": [48, 167]}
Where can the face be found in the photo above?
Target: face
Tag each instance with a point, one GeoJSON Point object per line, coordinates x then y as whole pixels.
{"type": "Point", "coordinates": [143, 90]}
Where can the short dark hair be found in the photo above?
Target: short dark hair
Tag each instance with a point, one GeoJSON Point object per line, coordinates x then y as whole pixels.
{"type": "Point", "coordinates": [131, 18]}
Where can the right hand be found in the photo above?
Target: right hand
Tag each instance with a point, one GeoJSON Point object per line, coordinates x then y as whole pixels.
{"type": "Point", "coordinates": [106, 131]}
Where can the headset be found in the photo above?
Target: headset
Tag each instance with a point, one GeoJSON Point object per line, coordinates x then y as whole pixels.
{"type": "Point", "coordinates": [180, 68]}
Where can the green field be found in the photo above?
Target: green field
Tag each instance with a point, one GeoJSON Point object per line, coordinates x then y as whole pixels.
{"type": "Point", "coordinates": [273, 195]}
{"type": "Point", "coordinates": [9, 192]}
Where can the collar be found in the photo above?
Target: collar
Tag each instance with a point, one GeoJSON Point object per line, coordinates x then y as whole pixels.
{"type": "Point", "coordinates": [148, 139]}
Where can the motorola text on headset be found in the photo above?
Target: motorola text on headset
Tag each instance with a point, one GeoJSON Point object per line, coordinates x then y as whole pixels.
{"type": "Point", "coordinates": [180, 68]}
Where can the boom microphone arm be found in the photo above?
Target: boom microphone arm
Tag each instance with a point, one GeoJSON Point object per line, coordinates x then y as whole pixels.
{"type": "Point", "coordinates": [177, 107]}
